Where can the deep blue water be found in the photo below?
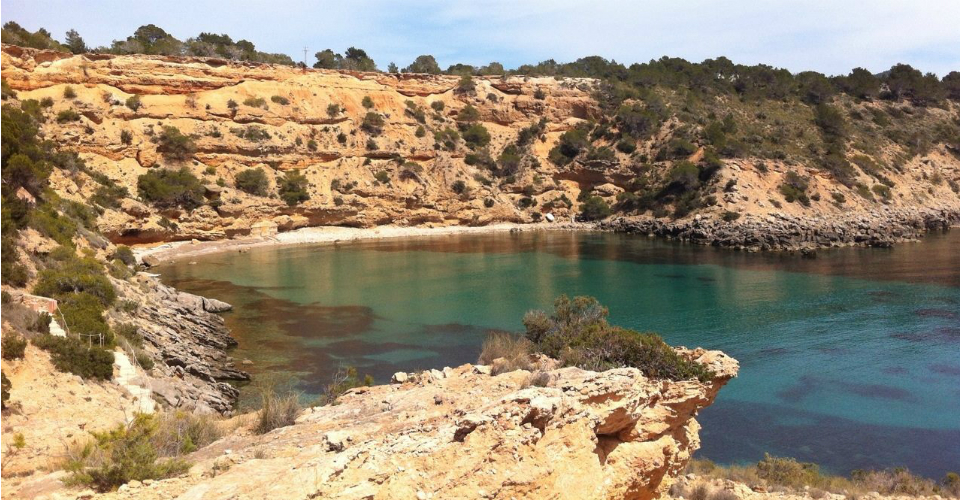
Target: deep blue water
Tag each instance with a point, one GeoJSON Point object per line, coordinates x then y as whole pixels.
{"type": "Point", "coordinates": [850, 360]}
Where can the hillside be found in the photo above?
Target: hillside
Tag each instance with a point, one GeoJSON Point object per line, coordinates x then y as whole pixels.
{"type": "Point", "coordinates": [410, 149]}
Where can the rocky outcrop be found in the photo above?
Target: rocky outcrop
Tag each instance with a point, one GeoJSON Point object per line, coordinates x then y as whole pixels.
{"type": "Point", "coordinates": [462, 433]}
{"type": "Point", "coordinates": [189, 342]}
{"type": "Point", "coordinates": [880, 228]}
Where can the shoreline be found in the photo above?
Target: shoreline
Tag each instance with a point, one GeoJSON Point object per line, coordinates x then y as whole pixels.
{"type": "Point", "coordinates": [155, 254]}
{"type": "Point", "coordinates": [319, 235]}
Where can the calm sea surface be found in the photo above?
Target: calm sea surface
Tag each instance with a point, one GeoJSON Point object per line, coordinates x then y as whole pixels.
{"type": "Point", "coordinates": [851, 360]}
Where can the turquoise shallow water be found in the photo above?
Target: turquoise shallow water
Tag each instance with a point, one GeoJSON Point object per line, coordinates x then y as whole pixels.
{"type": "Point", "coordinates": [850, 360]}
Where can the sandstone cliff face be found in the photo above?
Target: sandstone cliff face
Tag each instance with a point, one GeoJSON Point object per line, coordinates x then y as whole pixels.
{"type": "Point", "coordinates": [195, 96]}
{"type": "Point", "coordinates": [462, 433]}
{"type": "Point", "coordinates": [401, 174]}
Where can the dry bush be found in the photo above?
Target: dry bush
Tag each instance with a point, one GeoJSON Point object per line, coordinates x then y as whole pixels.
{"type": "Point", "coordinates": [538, 378]}
{"type": "Point", "coordinates": [279, 406]}
{"type": "Point", "coordinates": [180, 432]}
{"type": "Point", "coordinates": [122, 454]}
{"type": "Point", "coordinates": [701, 492]}
{"type": "Point", "coordinates": [506, 352]}
{"type": "Point", "coordinates": [787, 474]}
{"type": "Point", "coordinates": [345, 379]}
{"type": "Point", "coordinates": [898, 481]}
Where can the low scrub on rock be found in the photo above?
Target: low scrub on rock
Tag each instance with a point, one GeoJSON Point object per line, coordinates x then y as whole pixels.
{"type": "Point", "coordinates": [253, 181]}
{"type": "Point", "coordinates": [506, 352]}
{"type": "Point", "coordinates": [130, 452]}
{"type": "Point", "coordinates": [292, 188]}
{"type": "Point", "coordinates": [75, 356]}
{"type": "Point", "coordinates": [13, 346]}
{"type": "Point", "coordinates": [577, 334]}
{"type": "Point", "coordinates": [781, 473]}
{"type": "Point", "coordinates": [171, 188]}
{"type": "Point", "coordinates": [345, 379]}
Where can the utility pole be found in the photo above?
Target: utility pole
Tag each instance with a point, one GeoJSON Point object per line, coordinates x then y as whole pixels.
{"type": "Point", "coordinates": [304, 56]}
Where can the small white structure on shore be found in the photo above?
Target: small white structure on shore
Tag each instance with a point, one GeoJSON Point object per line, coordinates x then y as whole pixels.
{"type": "Point", "coordinates": [264, 229]}
{"type": "Point", "coordinates": [549, 217]}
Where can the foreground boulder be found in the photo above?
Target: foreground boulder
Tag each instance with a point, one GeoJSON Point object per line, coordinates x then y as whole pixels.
{"type": "Point", "coordinates": [461, 433]}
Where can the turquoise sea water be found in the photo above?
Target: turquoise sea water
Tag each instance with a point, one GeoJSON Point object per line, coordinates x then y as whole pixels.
{"type": "Point", "coordinates": [851, 360]}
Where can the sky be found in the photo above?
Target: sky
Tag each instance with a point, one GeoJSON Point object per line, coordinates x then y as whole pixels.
{"type": "Point", "coordinates": [830, 36]}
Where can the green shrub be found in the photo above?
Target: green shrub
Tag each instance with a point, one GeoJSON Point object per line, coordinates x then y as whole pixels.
{"type": "Point", "coordinates": [468, 114]}
{"type": "Point", "coordinates": [133, 102]}
{"type": "Point", "coordinates": [476, 136]}
{"type": "Point", "coordinates": [594, 208]}
{"type": "Point", "coordinates": [69, 93]}
{"type": "Point", "coordinates": [312, 145]}
{"type": "Point", "coordinates": [684, 175]}
{"type": "Point", "coordinates": [345, 379]}
{"type": "Point", "coordinates": [372, 123]}
{"type": "Point", "coordinates": [572, 143]}
{"type": "Point", "coordinates": [67, 115]}
{"type": "Point", "coordinates": [130, 332]}
{"type": "Point", "coordinates": [882, 191]}
{"type": "Point", "coordinates": [109, 195]}
{"type": "Point", "coordinates": [787, 471]}
{"type": "Point", "coordinates": [415, 112]}
{"type": "Point", "coordinates": [126, 137]}
{"type": "Point", "coordinates": [13, 346]}
{"type": "Point", "coordinates": [292, 188]}
{"type": "Point", "coordinates": [794, 188]}
{"type": "Point", "coordinates": [255, 102]}
{"type": "Point", "coordinates": [6, 387]}
{"type": "Point", "coordinates": [447, 137]}
{"type": "Point", "coordinates": [539, 94]}
{"type": "Point", "coordinates": [459, 187]}
{"type": "Point", "coordinates": [577, 333]}
{"type": "Point", "coordinates": [283, 101]}
{"type": "Point", "coordinates": [7, 92]}
{"type": "Point", "coordinates": [626, 146]}
{"type": "Point", "coordinates": [72, 355]}
{"type": "Point", "coordinates": [174, 145]}
{"type": "Point", "coordinates": [125, 254]}
{"type": "Point", "coordinates": [253, 133]}
{"type": "Point", "coordinates": [123, 454]}
{"type": "Point", "coordinates": [83, 315]}
{"type": "Point", "coordinates": [253, 181]}
{"type": "Point", "coordinates": [383, 177]}
{"type": "Point", "coordinates": [171, 188]}
{"type": "Point", "coordinates": [333, 110]}
{"type": "Point", "coordinates": [76, 276]}
{"type": "Point", "coordinates": [231, 104]}
{"type": "Point", "coordinates": [437, 106]}
{"type": "Point", "coordinates": [420, 132]}
{"type": "Point", "coordinates": [466, 84]}
{"type": "Point", "coordinates": [367, 102]}
{"type": "Point", "coordinates": [729, 216]}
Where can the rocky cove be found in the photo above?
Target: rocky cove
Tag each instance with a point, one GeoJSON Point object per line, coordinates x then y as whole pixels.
{"type": "Point", "coordinates": [450, 207]}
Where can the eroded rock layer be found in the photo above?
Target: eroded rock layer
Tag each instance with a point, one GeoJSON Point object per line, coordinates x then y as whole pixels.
{"type": "Point", "coordinates": [462, 433]}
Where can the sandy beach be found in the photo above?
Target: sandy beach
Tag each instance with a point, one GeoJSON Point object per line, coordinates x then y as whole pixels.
{"type": "Point", "coordinates": [155, 254]}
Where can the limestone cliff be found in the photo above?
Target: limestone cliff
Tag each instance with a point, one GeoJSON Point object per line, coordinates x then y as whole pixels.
{"type": "Point", "coordinates": [408, 172]}
{"type": "Point", "coordinates": [462, 433]}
